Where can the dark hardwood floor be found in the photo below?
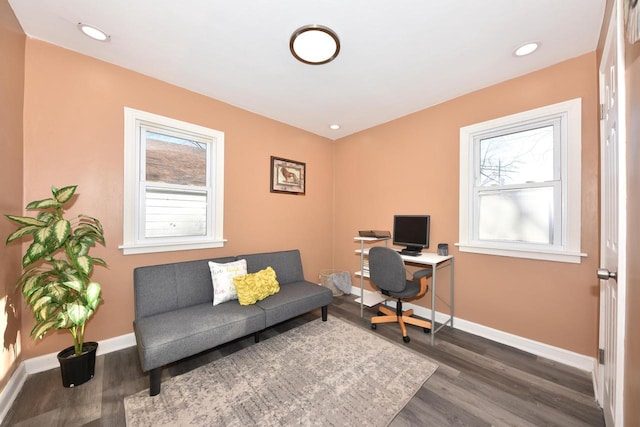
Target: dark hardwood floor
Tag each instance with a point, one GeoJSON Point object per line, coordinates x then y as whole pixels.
{"type": "Point", "coordinates": [478, 383]}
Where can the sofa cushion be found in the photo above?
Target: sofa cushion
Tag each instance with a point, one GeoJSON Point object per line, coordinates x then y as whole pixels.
{"type": "Point", "coordinates": [161, 288]}
{"type": "Point", "coordinates": [171, 336]}
{"type": "Point", "coordinates": [254, 287]}
{"type": "Point", "coordinates": [222, 275]}
{"type": "Point", "coordinates": [293, 300]}
{"type": "Point", "coordinates": [287, 264]}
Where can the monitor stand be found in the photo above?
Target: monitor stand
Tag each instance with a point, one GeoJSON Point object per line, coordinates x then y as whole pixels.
{"type": "Point", "coordinates": [412, 251]}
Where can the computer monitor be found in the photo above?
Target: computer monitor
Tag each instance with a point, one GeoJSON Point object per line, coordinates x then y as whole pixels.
{"type": "Point", "coordinates": [411, 231]}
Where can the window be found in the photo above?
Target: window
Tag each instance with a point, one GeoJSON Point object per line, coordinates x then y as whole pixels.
{"type": "Point", "coordinates": [174, 184]}
{"type": "Point", "coordinates": [520, 184]}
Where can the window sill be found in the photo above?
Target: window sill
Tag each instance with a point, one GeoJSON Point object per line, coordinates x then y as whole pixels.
{"type": "Point", "coordinates": [135, 249]}
{"type": "Point", "coordinates": [544, 255]}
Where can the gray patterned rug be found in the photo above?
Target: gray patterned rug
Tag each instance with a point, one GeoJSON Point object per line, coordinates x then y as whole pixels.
{"type": "Point", "coordinates": [321, 373]}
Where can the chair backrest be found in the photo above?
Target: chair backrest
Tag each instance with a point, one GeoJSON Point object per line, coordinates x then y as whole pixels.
{"type": "Point", "coordinates": [386, 269]}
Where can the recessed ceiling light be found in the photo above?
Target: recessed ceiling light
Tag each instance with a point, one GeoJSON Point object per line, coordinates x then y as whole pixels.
{"type": "Point", "coordinates": [526, 49]}
{"type": "Point", "coordinates": [314, 44]}
{"type": "Point", "coordinates": [93, 32]}
{"type": "Point", "coordinates": [334, 126]}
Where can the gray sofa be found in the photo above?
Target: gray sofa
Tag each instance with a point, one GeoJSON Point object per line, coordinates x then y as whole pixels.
{"type": "Point", "coordinates": [175, 316]}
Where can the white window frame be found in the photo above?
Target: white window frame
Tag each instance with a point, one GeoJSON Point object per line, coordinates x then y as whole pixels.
{"type": "Point", "coordinates": [134, 241]}
{"type": "Point", "coordinates": [566, 247]}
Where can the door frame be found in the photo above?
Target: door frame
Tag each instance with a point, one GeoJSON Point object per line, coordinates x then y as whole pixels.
{"type": "Point", "coordinates": [617, 38]}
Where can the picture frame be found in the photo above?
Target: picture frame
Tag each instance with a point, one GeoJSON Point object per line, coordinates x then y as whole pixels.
{"type": "Point", "coordinates": [288, 176]}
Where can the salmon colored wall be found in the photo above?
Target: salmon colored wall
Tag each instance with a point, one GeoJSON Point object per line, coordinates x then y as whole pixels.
{"type": "Point", "coordinates": [73, 134]}
{"type": "Point", "coordinates": [632, 347]}
{"type": "Point", "coordinates": [410, 166]}
{"type": "Point", "coordinates": [12, 42]}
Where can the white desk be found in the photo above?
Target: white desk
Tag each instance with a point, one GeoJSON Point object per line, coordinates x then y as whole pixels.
{"type": "Point", "coordinates": [433, 260]}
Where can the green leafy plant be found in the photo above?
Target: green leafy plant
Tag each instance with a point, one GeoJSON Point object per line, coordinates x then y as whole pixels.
{"type": "Point", "coordinates": [57, 266]}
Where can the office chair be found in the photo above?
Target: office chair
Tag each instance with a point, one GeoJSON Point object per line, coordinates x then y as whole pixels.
{"type": "Point", "coordinates": [387, 272]}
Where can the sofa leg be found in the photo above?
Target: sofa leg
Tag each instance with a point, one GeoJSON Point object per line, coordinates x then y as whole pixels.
{"type": "Point", "coordinates": [256, 337]}
{"type": "Point", "coordinates": [155, 377]}
{"type": "Point", "coordinates": [324, 312]}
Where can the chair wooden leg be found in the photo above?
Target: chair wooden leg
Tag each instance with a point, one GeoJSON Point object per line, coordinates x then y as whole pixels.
{"type": "Point", "coordinates": [384, 319]}
{"type": "Point", "coordinates": [403, 328]}
{"type": "Point", "coordinates": [400, 317]}
{"type": "Point", "coordinates": [388, 316]}
{"type": "Point", "coordinates": [386, 310]}
{"type": "Point", "coordinates": [417, 322]}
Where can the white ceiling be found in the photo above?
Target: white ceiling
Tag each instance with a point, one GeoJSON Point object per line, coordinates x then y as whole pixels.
{"type": "Point", "coordinates": [396, 57]}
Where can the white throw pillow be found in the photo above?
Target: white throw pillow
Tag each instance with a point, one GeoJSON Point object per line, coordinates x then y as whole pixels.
{"type": "Point", "coordinates": [222, 277]}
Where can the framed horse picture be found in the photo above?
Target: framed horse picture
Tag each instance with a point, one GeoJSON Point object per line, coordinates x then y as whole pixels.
{"type": "Point", "coordinates": [287, 176]}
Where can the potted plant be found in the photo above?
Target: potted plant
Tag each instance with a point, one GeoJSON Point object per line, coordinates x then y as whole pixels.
{"type": "Point", "coordinates": [56, 279]}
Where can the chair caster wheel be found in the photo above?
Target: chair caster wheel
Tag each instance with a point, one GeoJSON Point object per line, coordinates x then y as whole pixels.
{"type": "Point", "coordinates": [406, 339]}
{"type": "Point", "coordinates": [374, 326]}
{"type": "Point", "coordinates": [427, 330]}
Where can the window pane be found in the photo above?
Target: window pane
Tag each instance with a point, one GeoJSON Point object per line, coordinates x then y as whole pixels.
{"type": "Point", "coordinates": [523, 215]}
{"type": "Point", "coordinates": [517, 158]}
{"type": "Point", "coordinates": [171, 213]}
{"type": "Point", "coordinates": [175, 160]}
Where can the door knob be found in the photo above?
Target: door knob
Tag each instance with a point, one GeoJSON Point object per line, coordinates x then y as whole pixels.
{"type": "Point", "coordinates": [605, 274]}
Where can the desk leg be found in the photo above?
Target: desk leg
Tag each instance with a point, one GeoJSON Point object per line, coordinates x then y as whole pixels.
{"type": "Point", "coordinates": [362, 278]}
{"type": "Point", "coordinates": [433, 303]}
{"type": "Point", "coordinates": [451, 290]}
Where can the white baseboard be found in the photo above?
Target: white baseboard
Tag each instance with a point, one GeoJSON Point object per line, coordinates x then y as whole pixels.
{"type": "Point", "coordinates": [11, 390]}
{"type": "Point", "coordinates": [556, 354]}
{"type": "Point", "coordinates": [50, 361]}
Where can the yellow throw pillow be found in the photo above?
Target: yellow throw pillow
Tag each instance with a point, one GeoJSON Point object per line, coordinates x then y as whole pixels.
{"type": "Point", "coordinates": [253, 287]}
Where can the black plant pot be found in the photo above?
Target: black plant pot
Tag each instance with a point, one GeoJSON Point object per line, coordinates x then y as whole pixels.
{"type": "Point", "coordinates": [77, 370]}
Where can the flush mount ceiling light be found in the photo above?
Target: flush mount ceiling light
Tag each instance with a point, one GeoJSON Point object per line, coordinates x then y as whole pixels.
{"type": "Point", "coordinates": [93, 32]}
{"type": "Point", "coordinates": [334, 126]}
{"type": "Point", "coordinates": [526, 49]}
{"type": "Point", "coordinates": [314, 44]}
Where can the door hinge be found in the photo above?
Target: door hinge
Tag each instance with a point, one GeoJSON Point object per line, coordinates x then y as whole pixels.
{"type": "Point", "coordinates": [601, 111]}
{"type": "Point", "coordinates": [601, 356]}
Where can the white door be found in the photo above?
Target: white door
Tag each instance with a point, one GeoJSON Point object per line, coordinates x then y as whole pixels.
{"type": "Point", "coordinates": [613, 224]}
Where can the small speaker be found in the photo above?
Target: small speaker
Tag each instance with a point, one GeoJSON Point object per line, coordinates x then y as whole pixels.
{"type": "Point", "coordinates": [443, 249]}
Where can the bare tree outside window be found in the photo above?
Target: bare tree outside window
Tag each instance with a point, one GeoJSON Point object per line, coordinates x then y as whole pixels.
{"type": "Point", "coordinates": [517, 158]}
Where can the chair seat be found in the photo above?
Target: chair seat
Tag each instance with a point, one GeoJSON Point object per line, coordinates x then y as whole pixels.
{"type": "Point", "coordinates": [411, 290]}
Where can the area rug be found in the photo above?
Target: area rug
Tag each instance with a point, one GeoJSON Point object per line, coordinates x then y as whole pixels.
{"type": "Point", "coordinates": [321, 373]}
